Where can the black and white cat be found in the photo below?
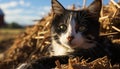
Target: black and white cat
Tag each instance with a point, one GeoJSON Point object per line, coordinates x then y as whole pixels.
{"type": "Point", "coordinates": [74, 29]}
{"type": "Point", "coordinates": [76, 34]}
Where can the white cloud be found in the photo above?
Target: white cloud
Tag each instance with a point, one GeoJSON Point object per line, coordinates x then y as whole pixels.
{"type": "Point", "coordinates": [46, 8]}
{"type": "Point", "coordinates": [23, 3]}
{"type": "Point", "coordinates": [28, 4]}
{"type": "Point", "coordinates": [44, 11]}
{"type": "Point", "coordinates": [21, 15]}
{"type": "Point", "coordinates": [11, 12]}
{"type": "Point", "coordinates": [25, 17]}
{"type": "Point", "coordinates": [12, 4]}
{"type": "Point", "coordinates": [8, 5]}
{"type": "Point", "coordinates": [23, 20]}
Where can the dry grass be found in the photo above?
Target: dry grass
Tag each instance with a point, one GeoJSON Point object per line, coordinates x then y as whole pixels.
{"type": "Point", "coordinates": [100, 63]}
{"type": "Point", "coordinates": [7, 37]}
{"type": "Point", "coordinates": [33, 43]}
{"type": "Point", "coordinates": [9, 33]}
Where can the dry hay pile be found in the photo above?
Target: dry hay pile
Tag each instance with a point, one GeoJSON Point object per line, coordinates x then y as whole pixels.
{"type": "Point", "coordinates": [33, 43]}
{"type": "Point", "coordinates": [110, 21]}
{"type": "Point", "coordinates": [29, 45]}
{"type": "Point", "coordinates": [100, 63]}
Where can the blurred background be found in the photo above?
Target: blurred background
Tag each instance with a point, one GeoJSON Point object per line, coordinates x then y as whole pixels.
{"type": "Point", "coordinates": [23, 12]}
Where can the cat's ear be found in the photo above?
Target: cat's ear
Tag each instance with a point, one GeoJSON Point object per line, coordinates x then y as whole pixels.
{"type": "Point", "coordinates": [95, 7]}
{"type": "Point", "coordinates": [57, 8]}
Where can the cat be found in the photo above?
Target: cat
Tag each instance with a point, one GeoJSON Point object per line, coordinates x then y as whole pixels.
{"type": "Point", "coordinates": [74, 29]}
{"type": "Point", "coordinates": [75, 33]}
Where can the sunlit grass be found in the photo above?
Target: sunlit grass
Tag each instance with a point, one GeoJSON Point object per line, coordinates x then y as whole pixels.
{"type": "Point", "coordinates": [9, 33]}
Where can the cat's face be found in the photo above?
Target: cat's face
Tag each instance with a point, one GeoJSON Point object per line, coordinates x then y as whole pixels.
{"type": "Point", "coordinates": [75, 29]}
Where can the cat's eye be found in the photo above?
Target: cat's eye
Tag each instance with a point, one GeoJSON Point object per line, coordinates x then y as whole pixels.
{"type": "Point", "coordinates": [62, 27]}
{"type": "Point", "coordinates": [82, 28]}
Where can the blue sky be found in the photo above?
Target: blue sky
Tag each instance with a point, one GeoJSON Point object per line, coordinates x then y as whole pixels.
{"type": "Point", "coordinates": [25, 11]}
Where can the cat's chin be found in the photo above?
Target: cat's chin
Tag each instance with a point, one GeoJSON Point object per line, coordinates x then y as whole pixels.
{"type": "Point", "coordinates": [80, 46]}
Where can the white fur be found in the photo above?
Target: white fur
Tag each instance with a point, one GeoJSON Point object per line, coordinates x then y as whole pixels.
{"type": "Point", "coordinates": [78, 42]}
{"type": "Point", "coordinates": [59, 49]}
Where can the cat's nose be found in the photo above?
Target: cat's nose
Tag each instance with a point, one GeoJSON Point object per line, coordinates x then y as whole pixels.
{"type": "Point", "coordinates": [70, 38]}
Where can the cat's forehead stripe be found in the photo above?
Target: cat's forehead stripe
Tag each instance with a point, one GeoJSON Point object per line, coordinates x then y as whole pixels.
{"type": "Point", "coordinates": [72, 15]}
{"type": "Point", "coordinates": [72, 24]}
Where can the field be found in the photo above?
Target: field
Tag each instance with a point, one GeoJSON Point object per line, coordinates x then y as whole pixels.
{"type": "Point", "coordinates": [7, 37]}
